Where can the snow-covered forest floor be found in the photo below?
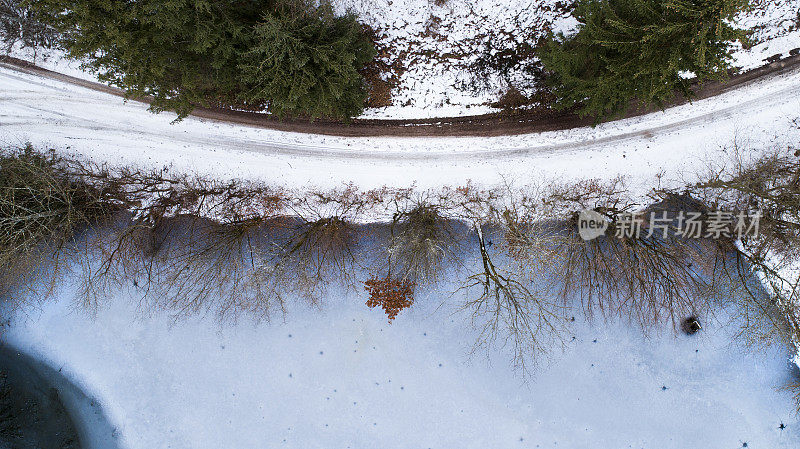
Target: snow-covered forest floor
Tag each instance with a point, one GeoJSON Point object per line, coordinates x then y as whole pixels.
{"type": "Point", "coordinates": [458, 57]}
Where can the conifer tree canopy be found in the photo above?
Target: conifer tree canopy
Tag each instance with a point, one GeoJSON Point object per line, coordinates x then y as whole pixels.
{"type": "Point", "coordinates": [305, 60]}
{"type": "Point", "coordinates": [640, 50]}
{"type": "Point", "coordinates": [188, 53]}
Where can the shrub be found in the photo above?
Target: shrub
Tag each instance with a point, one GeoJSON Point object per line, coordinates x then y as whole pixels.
{"type": "Point", "coordinates": [229, 269]}
{"type": "Point", "coordinates": [322, 251]}
{"type": "Point", "coordinates": [423, 244]}
{"type": "Point", "coordinates": [306, 61]}
{"type": "Point", "coordinates": [512, 98]}
{"type": "Point", "coordinates": [639, 50]}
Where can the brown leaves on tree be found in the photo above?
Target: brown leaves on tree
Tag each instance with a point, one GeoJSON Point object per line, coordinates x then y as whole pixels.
{"type": "Point", "coordinates": [392, 295]}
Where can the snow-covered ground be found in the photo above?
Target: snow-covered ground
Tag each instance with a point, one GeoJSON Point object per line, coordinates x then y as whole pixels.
{"type": "Point", "coordinates": [439, 42]}
{"type": "Point", "coordinates": [341, 377]}
{"type": "Point", "coordinates": [672, 145]}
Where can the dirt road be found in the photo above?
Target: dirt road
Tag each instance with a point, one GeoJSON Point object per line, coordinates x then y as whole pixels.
{"type": "Point", "coordinates": [499, 124]}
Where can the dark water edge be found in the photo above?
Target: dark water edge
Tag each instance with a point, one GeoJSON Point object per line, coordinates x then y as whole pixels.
{"type": "Point", "coordinates": [43, 409]}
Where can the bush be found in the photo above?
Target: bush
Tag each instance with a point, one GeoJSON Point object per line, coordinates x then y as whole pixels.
{"type": "Point", "coordinates": [322, 251]}
{"type": "Point", "coordinates": [221, 53]}
{"type": "Point", "coordinates": [512, 98]}
{"type": "Point", "coordinates": [423, 244]}
{"type": "Point", "coordinates": [629, 50]}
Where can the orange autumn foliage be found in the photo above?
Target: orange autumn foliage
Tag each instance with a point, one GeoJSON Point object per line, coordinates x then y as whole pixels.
{"type": "Point", "coordinates": [391, 295]}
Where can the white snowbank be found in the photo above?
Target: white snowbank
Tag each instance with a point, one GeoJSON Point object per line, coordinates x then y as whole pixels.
{"type": "Point", "coordinates": [341, 377]}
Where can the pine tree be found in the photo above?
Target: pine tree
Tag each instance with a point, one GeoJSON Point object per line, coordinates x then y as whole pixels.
{"type": "Point", "coordinates": [641, 50]}
{"type": "Point", "coordinates": [307, 61]}
{"type": "Point", "coordinates": [182, 52]}
{"type": "Point", "coordinates": [19, 24]}
{"type": "Point", "coordinates": [188, 53]}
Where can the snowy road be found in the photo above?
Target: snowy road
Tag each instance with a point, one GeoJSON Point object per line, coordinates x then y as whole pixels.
{"type": "Point", "coordinates": [682, 139]}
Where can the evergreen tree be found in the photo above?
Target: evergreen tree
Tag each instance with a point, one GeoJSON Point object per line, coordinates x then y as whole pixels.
{"type": "Point", "coordinates": [187, 53]}
{"type": "Point", "coordinates": [307, 61]}
{"type": "Point", "coordinates": [640, 50]}
{"type": "Point", "coordinates": [182, 52]}
{"type": "Point", "coordinates": [19, 24]}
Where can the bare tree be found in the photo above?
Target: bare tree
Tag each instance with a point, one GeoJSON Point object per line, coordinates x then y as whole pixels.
{"type": "Point", "coordinates": [320, 252]}
{"type": "Point", "coordinates": [647, 277]}
{"type": "Point", "coordinates": [423, 243]}
{"type": "Point", "coordinates": [770, 186]}
{"type": "Point", "coordinates": [41, 209]}
{"type": "Point", "coordinates": [509, 308]}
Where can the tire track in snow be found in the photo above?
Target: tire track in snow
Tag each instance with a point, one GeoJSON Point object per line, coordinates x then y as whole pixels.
{"type": "Point", "coordinates": [54, 111]}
